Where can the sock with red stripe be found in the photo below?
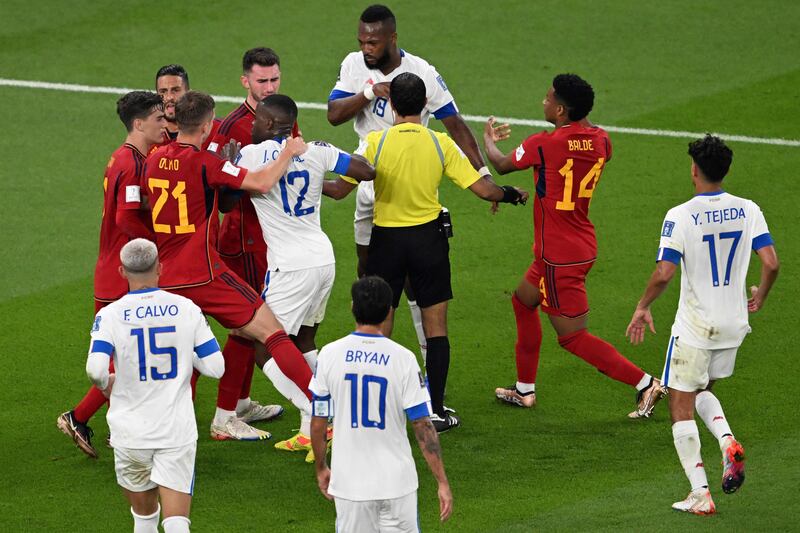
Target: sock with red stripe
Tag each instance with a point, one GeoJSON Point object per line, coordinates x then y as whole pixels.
{"type": "Point", "coordinates": [710, 410]}
{"type": "Point", "coordinates": [602, 356]}
{"type": "Point", "coordinates": [289, 360]}
{"type": "Point", "coordinates": [687, 444]}
{"type": "Point", "coordinates": [91, 402]}
{"type": "Point", "coordinates": [529, 340]}
{"type": "Point", "coordinates": [237, 352]}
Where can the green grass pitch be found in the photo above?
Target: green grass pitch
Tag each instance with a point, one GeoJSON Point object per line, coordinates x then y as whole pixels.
{"type": "Point", "coordinates": [574, 463]}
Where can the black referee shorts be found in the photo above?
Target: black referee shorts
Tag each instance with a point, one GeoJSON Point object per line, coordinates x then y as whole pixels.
{"type": "Point", "coordinates": [419, 252]}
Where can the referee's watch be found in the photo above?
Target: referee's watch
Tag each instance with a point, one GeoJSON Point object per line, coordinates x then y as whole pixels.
{"type": "Point", "coordinates": [511, 195]}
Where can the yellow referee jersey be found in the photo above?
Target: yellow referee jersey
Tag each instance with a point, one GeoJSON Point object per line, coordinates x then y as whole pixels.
{"type": "Point", "coordinates": [410, 160]}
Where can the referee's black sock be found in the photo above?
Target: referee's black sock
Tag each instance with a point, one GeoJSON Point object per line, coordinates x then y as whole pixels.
{"type": "Point", "coordinates": [437, 363]}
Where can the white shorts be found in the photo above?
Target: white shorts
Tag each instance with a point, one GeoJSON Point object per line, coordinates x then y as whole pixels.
{"type": "Point", "coordinates": [365, 206]}
{"type": "Point", "coordinates": [299, 297]}
{"type": "Point", "coordinates": [141, 470]}
{"type": "Point", "coordinates": [689, 369]}
{"type": "Point", "coordinates": [398, 515]}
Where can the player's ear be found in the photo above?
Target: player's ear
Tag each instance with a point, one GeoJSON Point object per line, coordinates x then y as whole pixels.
{"type": "Point", "coordinates": [158, 268]}
{"type": "Point", "coordinates": [122, 272]}
{"type": "Point", "coordinates": [245, 83]}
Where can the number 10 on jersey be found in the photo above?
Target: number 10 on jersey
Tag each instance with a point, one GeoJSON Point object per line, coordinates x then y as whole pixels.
{"type": "Point", "coordinates": [372, 389]}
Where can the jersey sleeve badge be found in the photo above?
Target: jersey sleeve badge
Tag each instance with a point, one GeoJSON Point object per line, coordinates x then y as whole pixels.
{"type": "Point", "coordinates": [666, 231]}
{"type": "Point", "coordinates": [96, 325]}
{"type": "Point", "coordinates": [519, 152]}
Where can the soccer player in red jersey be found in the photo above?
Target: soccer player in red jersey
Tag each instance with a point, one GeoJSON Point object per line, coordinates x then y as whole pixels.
{"type": "Point", "coordinates": [143, 116]}
{"type": "Point", "coordinates": [183, 184]}
{"type": "Point", "coordinates": [241, 241]}
{"type": "Point", "coordinates": [567, 164]}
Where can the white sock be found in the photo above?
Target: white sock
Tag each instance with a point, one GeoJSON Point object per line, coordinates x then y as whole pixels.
{"type": "Point", "coordinates": [523, 388]}
{"type": "Point", "coordinates": [710, 410]}
{"type": "Point", "coordinates": [243, 405]}
{"type": "Point", "coordinates": [687, 444]}
{"type": "Point", "coordinates": [644, 382]}
{"type": "Point", "coordinates": [146, 524]}
{"type": "Point", "coordinates": [305, 424]}
{"type": "Point", "coordinates": [287, 387]}
{"type": "Point", "coordinates": [176, 524]}
{"type": "Point", "coordinates": [416, 318]}
{"type": "Point", "coordinates": [221, 416]}
{"type": "Point", "coordinates": [311, 359]}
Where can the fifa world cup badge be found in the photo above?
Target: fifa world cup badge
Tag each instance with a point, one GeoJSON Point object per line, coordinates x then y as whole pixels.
{"type": "Point", "coordinates": [96, 325]}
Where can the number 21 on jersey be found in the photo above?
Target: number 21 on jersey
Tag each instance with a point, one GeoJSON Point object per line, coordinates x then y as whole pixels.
{"type": "Point", "coordinates": [179, 194]}
{"type": "Point", "coordinates": [585, 188]}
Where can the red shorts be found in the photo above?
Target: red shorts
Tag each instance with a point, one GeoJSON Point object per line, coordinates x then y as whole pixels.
{"type": "Point", "coordinates": [231, 301]}
{"type": "Point", "coordinates": [562, 288]}
{"type": "Point", "coordinates": [250, 266]}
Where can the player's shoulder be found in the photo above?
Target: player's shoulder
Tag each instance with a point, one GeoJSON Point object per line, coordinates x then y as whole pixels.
{"type": "Point", "coordinates": [416, 62]}
{"type": "Point", "coordinates": [232, 118]}
{"type": "Point", "coordinates": [353, 64]}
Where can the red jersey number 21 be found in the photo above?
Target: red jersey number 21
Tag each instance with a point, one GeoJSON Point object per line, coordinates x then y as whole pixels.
{"type": "Point", "coordinates": [585, 188]}
{"type": "Point", "coordinates": [179, 195]}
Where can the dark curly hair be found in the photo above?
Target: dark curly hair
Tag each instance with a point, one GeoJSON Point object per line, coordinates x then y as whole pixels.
{"type": "Point", "coordinates": [574, 93]}
{"type": "Point", "coordinates": [712, 156]}
{"type": "Point", "coordinates": [379, 13]}
{"type": "Point", "coordinates": [137, 104]}
{"type": "Point", "coordinates": [174, 70]}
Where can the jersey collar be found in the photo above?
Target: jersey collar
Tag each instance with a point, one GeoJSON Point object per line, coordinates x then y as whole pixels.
{"type": "Point", "coordinates": [714, 193]}
{"type": "Point", "coordinates": [249, 107]}
{"type": "Point", "coordinates": [359, 334]}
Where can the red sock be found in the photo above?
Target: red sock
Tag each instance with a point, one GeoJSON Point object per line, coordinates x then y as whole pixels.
{"type": "Point", "coordinates": [248, 376]}
{"type": "Point", "coordinates": [195, 377]}
{"type": "Point", "coordinates": [602, 356]}
{"type": "Point", "coordinates": [289, 360]}
{"type": "Point", "coordinates": [529, 340]}
{"type": "Point", "coordinates": [92, 402]}
{"type": "Point", "coordinates": [237, 352]}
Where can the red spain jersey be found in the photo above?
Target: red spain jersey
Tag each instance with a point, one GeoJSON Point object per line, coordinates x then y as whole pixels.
{"type": "Point", "coordinates": [120, 192]}
{"type": "Point", "coordinates": [240, 231]}
{"type": "Point", "coordinates": [182, 184]}
{"type": "Point", "coordinates": [169, 137]}
{"type": "Point", "coordinates": [567, 165]}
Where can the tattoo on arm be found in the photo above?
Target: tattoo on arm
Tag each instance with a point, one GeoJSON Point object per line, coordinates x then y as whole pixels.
{"type": "Point", "coordinates": [427, 437]}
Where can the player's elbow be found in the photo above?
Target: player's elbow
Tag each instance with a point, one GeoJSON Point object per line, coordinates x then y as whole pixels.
{"type": "Point", "coordinates": [97, 369]}
{"type": "Point", "coordinates": [212, 365]}
{"type": "Point", "coordinates": [334, 115]}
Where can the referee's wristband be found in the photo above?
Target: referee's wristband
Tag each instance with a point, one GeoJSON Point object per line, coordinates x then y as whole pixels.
{"type": "Point", "coordinates": [510, 195]}
{"type": "Point", "coordinates": [484, 171]}
{"type": "Point", "coordinates": [369, 94]}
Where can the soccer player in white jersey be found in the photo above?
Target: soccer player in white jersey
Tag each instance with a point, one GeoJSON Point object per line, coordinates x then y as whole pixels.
{"type": "Point", "coordinates": [371, 385]}
{"type": "Point", "coordinates": [299, 254]}
{"type": "Point", "coordinates": [710, 236]}
{"type": "Point", "coordinates": [361, 93]}
{"type": "Point", "coordinates": [156, 339]}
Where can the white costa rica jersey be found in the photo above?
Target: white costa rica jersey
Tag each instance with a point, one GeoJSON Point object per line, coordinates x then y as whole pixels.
{"type": "Point", "coordinates": [373, 384]}
{"type": "Point", "coordinates": [711, 236]}
{"type": "Point", "coordinates": [153, 336]}
{"type": "Point", "coordinates": [289, 212]}
{"type": "Point", "coordinates": [354, 76]}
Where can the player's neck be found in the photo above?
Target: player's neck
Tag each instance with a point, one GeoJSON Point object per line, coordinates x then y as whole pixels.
{"type": "Point", "coordinates": [195, 140]}
{"type": "Point", "coordinates": [368, 329]}
{"type": "Point", "coordinates": [413, 119]}
{"type": "Point", "coordinates": [705, 187]}
{"type": "Point", "coordinates": [138, 141]}
{"type": "Point", "coordinates": [141, 284]}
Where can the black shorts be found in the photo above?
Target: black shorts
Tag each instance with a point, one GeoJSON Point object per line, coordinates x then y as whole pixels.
{"type": "Point", "coordinates": [419, 252]}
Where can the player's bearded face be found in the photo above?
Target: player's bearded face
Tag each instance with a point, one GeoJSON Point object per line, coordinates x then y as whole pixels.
{"type": "Point", "coordinates": [374, 42]}
{"type": "Point", "coordinates": [262, 81]}
{"type": "Point", "coordinates": [170, 88]}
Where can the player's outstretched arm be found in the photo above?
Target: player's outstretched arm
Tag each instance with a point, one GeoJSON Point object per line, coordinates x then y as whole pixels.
{"type": "Point", "coordinates": [262, 180]}
{"type": "Point", "coordinates": [428, 441]}
{"type": "Point", "coordinates": [492, 134]}
{"type": "Point", "coordinates": [465, 140]}
{"type": "Point", "coordinates": [360, 169]}
{"type": "Point", "coordinates": [319, 443]}
{"type": "Point", "coordinates": [341, 110]}
{"type": "Point", "coordinates": [486, 189]}
{"type": "Point", "coordinates": [337, 189]}
{"type": "Point", "coordinates": [769, 273]}
{"type": "Point", "coordinates": [642, 317]}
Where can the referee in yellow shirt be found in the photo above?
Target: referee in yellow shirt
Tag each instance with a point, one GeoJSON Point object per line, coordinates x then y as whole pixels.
{"type": "Point", "coordinates": [410, 233]}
